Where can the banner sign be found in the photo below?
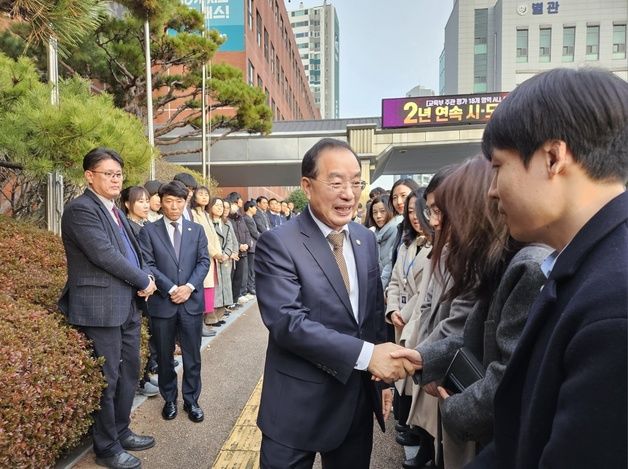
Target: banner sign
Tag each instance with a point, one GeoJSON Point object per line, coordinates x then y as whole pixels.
{"type": "Point", "coordinates": [226, 16]}
{"type": "Point", "coordinates": [425, 111]}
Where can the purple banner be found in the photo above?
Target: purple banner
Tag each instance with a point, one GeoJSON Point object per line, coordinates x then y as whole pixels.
{"type": "Point", "coordinates": [424, 111]}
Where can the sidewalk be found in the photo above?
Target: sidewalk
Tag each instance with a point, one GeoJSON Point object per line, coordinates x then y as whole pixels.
{"type": "Point", "coordinates": [222, 403]}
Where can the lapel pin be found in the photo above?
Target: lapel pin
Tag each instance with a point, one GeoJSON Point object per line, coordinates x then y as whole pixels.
{"type": "Point", "coordinates": [358, 242]}
{"type": "Point", "coordinates": [189, 229]}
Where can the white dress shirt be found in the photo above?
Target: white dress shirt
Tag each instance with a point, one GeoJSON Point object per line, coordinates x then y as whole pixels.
{"type": "Point", "coordinates": [354, 293]}
{"type": "Point", "coordinates": [170, 230]}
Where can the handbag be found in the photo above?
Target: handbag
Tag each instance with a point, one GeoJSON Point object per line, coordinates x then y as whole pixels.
{"type": "Point", "coordinates": [463, 371]}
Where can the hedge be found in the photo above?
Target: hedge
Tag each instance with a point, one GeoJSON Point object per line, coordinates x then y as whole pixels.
{"type": "Point", "coordinates": [49, 382]}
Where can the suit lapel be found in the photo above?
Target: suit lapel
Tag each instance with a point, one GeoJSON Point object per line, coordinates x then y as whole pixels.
{"type": "Point", "coordinates": [108, 217]}
{"type": "Point", "coordinates": [359, 246]}
{"type": "Point", "coordinates": [319, 248]}
{"type": "Point", "coordinates": [162, 233]}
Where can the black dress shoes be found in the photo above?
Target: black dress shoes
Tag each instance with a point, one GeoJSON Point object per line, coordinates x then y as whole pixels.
{"type": "Point", "coordinates": [408, 438]}
{"type": "Point", "coordinates": [424, 455]}
{"type": "Point", "coordinates": [135, 442]}
{"type": "Point", "coordinates": [170, 410]}
{"type": "Point", "coordinates": [400, 427]}
{"type": "Point", "coordinates": [195, 413]}
{"type": "Point", "coordinates": [121, 460]}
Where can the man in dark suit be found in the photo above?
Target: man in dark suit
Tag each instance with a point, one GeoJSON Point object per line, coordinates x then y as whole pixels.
{"type": "Point", "coordinates": [559, 145]}
{"type": "Point", "coordinates": [175, 250]}
{"type": "Point", "coordinates": [105, 279]}
{"type": "Point", "coordinates": [320, 296]}
{"type": "Point", "coordinates": [250, 209]}
{"type": "Point", "coordinates": [261, 216]}
{"type": "Point", "coordinates": [274, 216]}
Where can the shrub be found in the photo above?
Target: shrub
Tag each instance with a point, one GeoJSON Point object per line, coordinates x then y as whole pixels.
{"type": "Point", "coordinates": [50, 385]}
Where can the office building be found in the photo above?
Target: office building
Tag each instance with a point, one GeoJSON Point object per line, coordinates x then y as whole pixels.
{"type": "Point", "coordinates": [496, 45]}
{"type": "Point", "coordinates": [316, 32]}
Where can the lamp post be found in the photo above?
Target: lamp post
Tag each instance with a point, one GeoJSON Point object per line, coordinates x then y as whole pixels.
{"type": "Point", "coordinates": [149, 98]}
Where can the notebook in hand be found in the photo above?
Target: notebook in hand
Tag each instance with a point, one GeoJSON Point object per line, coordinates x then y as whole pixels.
{"type": "Point", "coordinates": [463, 371]}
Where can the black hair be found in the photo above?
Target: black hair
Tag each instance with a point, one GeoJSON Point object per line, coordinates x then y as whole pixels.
{"type": "Point", "coordinates": [271, 199]}
{"type": "Point", "coordinates": [438, 178]}
{"type": "Point", "coordinates": [383, 198]}
{"type": "Point", "coordinates": [409, 234]}
{"type": "Point", "coordinates": [233, 197]}
{"type": "Point", "coordinates": [308, 165]}
{"type": "Point", "coordinates": [260, 198]}
{"type": "Point", "coordinates": [174, 188]}
{"type": "Point", "coordinates": [420, 206]}
{"type": "Point", "coordinates": [187, 180]}
{"type": "Point", "coordinates": [586, 108]}
{"type": "Point", "coordinates": [248, 204]}
{"type": "Point", "coordinates": [95, 156]}
{"type": "Point", "coordinates": [131, 195]}
{"type": "Point", "coordinates": [408, 182]}
{"type": "Point", "coordinates": [152, 187]}
{"type": "Point", "coordinates": [193, 203]}
{"type": "Point", "coordinates": [376, 191]}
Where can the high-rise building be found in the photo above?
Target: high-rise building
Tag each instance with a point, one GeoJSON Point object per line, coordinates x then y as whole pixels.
{"type": "Point", "coordinates": [259, 42]}
{"type": "Point", "coordinates": [317, 36]}
{"type": "Point", "coordinates": [495, 45]}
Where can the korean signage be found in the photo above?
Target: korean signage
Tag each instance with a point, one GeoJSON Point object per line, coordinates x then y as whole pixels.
{"type": "Point", "coordinates": [226, 16]}
{"type": "Point", "coordinates": [425, 111]}
{"type": "Point", "coordinates": [539, 8]}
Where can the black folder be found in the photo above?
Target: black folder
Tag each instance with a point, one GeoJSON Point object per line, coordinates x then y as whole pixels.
{"type": "Point", "coordinates": [463, 371]}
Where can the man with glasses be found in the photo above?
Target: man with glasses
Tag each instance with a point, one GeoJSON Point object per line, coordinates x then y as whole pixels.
{"type": "Point", "coordinates": [106, 277]}
{"type": "Point", "coordinates": [320, 296]}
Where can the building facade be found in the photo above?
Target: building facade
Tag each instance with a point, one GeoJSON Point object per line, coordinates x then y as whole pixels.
{"type": "Point", "coordinates": [496, 45]}
{"type": "Point", "coordinates": [317, 35]}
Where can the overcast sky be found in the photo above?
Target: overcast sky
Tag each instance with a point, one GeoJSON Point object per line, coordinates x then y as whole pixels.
{"type": "Point", "coordinates": [386, 49]}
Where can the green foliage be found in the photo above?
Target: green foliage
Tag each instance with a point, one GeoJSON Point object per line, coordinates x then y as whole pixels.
{"type": "Point", "coordinates": [298, 198]}
{"type": "Point", "coordinates": [44, 137]}
{"type": "Point", "coordinates": [50, 383]}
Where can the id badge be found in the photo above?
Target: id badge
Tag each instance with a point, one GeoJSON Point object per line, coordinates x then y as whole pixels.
{"type": "Point", "coordinates": [404, 299]}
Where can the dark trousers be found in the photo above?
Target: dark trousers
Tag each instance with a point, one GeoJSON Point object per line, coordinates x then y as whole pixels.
{"type": "Point", "coordinates": [240, 275]}
{"type": "Point", "coordinates": [188, 328]}
{"type": "Point", "coordinates": [120, 346]}
{"type": "Point", "coordinates": [354, 452]}
{"type": "Point", "coordinates": [250, 285]}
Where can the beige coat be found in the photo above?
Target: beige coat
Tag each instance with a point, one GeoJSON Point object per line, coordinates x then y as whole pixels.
{"type": "Point", "coordinates": [201, 217]}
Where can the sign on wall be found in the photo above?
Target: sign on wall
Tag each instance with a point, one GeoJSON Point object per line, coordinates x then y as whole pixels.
{"type": "Point", "coordinates": [425, 111]}
{"type": "Point", "coordinates": [226, 16]}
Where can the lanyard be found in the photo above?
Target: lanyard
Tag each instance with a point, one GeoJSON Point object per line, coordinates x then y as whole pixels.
{"type": "Point", "coordinates": [407, 270]}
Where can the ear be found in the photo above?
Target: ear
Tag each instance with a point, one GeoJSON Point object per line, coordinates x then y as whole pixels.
{"type": "Point", "coordinates": [89, 177]}
{"type": "Point", "coordinates": [306, 186]}
{"type": "Point", "coordinates": [557, 157]}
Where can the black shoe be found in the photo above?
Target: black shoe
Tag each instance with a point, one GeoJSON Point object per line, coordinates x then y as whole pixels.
{"type": "Point", "coordinates": [122, 460]}
{"type": "Point", "coordinates": [170, 410]}
{"type": "Point", "coordinates": [408, 438]}
{"type": "Point", "coordinates": [400, 427]}
{"type": "Point", "coordinates": [135, 442]}
{"type": "Point", "coordinates": [217, 324]}
{"type": "Point", "coordinates": [424, 455]}
{"type": "Point", "coordinates": [152, 367]}
{"type": "Point", "coordinates": [195, 413]}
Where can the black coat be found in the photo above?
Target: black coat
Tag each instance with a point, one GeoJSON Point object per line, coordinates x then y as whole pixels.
{"type": "Point", "coordinates": [562, 400]}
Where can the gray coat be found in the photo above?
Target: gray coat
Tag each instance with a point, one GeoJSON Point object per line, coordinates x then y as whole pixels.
{"type": "Point", "coordinates": [385, 245]}
{"type": "Point", "coordinates": [491, 333]}
{"type": "Point", "coordinates": [223, 295]}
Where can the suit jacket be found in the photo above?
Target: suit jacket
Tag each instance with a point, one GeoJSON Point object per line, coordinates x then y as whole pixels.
{"type": "Point", "coordinates": [310, 389]}
{"type": "Point", "coordinates": [191, 267]}
{"type": "Point", "coordinates": [253, 231]}
{"type": "Point", "coordinates": [491, 334]}
{"type": "Point", "coordinates": [562, 400]}
{"type": "Point", "coordinates": [102, 283]}
{"type": "Point", "coordinates": [261, 220]}
{"type": "Point", "coordinates": [274, 219]}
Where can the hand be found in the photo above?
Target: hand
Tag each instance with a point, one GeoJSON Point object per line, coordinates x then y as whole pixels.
{"type": "Point", "coordinates": [244, 247]}
{"type": "Point", "coordinates": [387, 401]}
{"type": "Point", "coordinates": [411, 355]}
{"type": "Point", "coordinates": [235, 257]}
{"type": "Point", "coordinates": [443, 393]}
{"type": "Point", "coordinates": [181, 294]}
{"type": "Point", "coordinates": [225, 258]}
{"type": "Point", "coordinates": [397, 320]}
{"type": "Point", "coordinates": [431, 388]}
{"type": "Point", "coordinates": [386, 368]}
{"type": "Point", "coordinates": [149, 290]}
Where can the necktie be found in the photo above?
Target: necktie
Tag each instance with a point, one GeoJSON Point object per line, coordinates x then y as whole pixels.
{"type": "Point", "coordinates": [176, 239]}
{"type": "Point", "coordinates": [130, 253]}
{"type": "Point", "coordinates": [336, 240]}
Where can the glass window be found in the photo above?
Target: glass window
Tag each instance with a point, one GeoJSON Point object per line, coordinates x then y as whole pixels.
{"type": "Point", "coordinates": [250, 6]}
{"type": "Point", "coordinates": [593, 43]}
{"type": "Point", "coordinates": [619, 41]}
{"type": "Point", "coordinates": [545, 44]}
{"type": "Point", "coordinates": [522, 45]}
{"type": "Point", "coordinates": [251, 74]}
{"type": "Point", "coordinates": [259, 29]}
{"type": "Point", "coordinates": [266, 44]}
{"type": "Point", "coordinates": [569, 43]}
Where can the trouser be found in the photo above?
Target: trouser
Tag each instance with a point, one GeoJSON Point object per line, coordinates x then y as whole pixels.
{"type": "Point", "coordinates": [250, 285]}
{"type": "Point", "coordinates": [188, 327]}
{"type": "Point", "coordinates": [239, 278]}
{"type": "Point", "coordinates": [120, 346]}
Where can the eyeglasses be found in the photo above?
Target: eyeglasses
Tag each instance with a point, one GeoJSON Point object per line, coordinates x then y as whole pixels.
{"type": "Point", "coordinates": [356, 186]}
{"type": "Point", "coordinates": [109, 174]}
{"type": "Point", "coordinates": [428, 212]}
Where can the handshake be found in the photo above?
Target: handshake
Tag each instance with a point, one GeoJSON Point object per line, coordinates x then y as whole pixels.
{"type": "Point", "coordinates": [391, 362]}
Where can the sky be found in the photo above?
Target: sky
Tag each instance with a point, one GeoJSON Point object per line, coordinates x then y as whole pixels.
{"type": "Point", "coordinates": [386, 49]}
